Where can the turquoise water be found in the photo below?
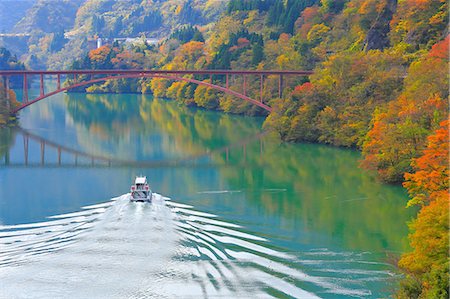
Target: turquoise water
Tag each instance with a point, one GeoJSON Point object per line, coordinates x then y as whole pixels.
{"type": "Point", "coordinates": [240, 214]}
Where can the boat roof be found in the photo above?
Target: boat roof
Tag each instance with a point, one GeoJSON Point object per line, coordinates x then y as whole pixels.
{"type": "Point", "coordinates": [140, 180]}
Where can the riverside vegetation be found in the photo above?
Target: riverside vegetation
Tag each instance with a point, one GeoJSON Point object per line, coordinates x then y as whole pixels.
{"type": "Point", "coordinates": [8, 98]}
{"type": "Point", "coordinates": [380, 85]}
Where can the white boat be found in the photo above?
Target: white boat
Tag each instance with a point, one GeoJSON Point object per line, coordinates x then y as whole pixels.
{"type": "Point", "coordinates": [140, 191]}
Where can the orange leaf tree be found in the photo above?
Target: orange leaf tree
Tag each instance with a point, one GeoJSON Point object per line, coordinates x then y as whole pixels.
{"type": "Point", "coordinates": [432, 170]}
{"type": "Point", "coordinates": [427, 266]}
{"type": "Point", "coordinates": [399, 133]}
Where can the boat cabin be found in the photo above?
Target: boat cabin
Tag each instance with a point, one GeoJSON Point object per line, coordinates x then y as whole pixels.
{"type": "Point", "coordinates": [140, 191]}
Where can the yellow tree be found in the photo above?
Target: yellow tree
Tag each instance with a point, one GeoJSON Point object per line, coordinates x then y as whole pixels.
{"type": "Point", "coordinates": [427, 266]}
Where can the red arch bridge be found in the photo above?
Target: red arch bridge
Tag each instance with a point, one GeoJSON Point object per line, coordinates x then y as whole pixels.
{"type": "Point", "coordinates": [97, 76]}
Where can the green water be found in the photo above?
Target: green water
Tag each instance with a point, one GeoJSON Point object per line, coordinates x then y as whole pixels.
{"type": "Point", "coordinates": [337, 224]}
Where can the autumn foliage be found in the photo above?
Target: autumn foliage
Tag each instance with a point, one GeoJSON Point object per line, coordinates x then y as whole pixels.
{"type": "Point", "coordinates": [399, 132]}
{"type": "Point", "coordinates": [8, 102]}
{"type": "Point", "coordinates": [431, 178]}
{"type": "Point", "coordinates": [100, 54]}
{"type": "Point", "coordinates": [427, 266]}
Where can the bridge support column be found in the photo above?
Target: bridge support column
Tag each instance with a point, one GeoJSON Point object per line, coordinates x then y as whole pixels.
{"type": "Point", "coordinates": [58, 81]}
{"type": "Point", "coordinates": [25, 89]}
{"type": "Point", "coordinates": [280, 86]}
{"type": "Point", "coordinates": [41, 85]}
{"type": "Point", "coordinates": [261, 88]}
{"type": "Point", "coordinates": [226, 81]}
{"type": "Point", "coordinates": [245, 86]}
{"type": "Point", "coordinates": [59, 156]}
{"type": "Point", "coordinates": [6, 85]}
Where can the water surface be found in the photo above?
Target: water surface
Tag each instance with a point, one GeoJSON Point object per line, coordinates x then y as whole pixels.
{"type": "Point", "coordinates": [240, 214]}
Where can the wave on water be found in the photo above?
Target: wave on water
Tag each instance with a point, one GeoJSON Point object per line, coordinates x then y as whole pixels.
{"type": "Point", "coordinates": [219, 191]}
{"type": "Point", "coordinates": [166, 249]}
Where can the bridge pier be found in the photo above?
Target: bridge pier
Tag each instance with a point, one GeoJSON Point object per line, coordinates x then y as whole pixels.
{"type": "Point", "coordinates": [58, 81]}
{"type": "Point", "coordinates": [6, 88]}
{"type": "Point", "coordinates": [41, 85]}
{"type": "Point", "coordinates": [25, 89]}
{"type": "Point", "coordinates": [280, 86]}
{"type": "Point", "coordinates": [261, 86]}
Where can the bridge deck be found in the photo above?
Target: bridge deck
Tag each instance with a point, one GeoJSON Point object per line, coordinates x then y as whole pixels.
{"type": "Point", "coordinates": [149, 72]}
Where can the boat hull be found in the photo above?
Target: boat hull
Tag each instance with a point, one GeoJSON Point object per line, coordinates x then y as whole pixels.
{"type": "Point", "coordinates": [141, 197]}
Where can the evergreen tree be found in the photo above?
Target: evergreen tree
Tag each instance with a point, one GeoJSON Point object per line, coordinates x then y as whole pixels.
{"type": "Point", "coordinates": [117, 27]}
{"type": "Point", "coordinates": [187, 34]}
{"type": "Point", "coordinates": [258, 53]}
{"type": "Point", "coordinates": [98, 23]}
{"type": "Point", "coordinates": [58, 41]}
{"type": "Point", "coordinates": [198, 36]}
{"type": "Point", "coordinates": [274, 13]}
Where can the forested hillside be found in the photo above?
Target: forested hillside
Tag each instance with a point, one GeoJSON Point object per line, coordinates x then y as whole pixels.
{"type": "Point", "coordinates": [11, 12]}
{"type": "Point", "coordinates": [60, 30]}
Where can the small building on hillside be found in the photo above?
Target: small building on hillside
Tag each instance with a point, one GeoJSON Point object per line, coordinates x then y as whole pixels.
{"type": "Point", "coordinates": [95, 43]}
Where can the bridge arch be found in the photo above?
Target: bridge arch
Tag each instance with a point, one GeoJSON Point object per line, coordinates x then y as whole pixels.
{"type": "Point", "coordinates": [144, 75]}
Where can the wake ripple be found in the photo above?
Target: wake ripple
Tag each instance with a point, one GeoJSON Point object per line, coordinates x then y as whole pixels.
{"type": "Point", "coordinates": [166, 249]}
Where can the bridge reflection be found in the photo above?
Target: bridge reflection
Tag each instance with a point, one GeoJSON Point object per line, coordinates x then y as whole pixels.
{"type": "Point", "coordinates": [78, 158]}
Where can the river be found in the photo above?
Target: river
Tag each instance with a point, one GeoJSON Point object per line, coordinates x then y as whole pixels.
{"type": "Point", "coordinates": [237, 213]}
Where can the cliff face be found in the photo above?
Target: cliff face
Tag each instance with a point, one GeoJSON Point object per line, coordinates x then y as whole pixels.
{"type": "Point", "coordinates": [377, 36]}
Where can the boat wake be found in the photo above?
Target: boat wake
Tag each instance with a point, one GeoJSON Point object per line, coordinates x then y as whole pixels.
{"type": "Point", "coordinates": [166, 249]}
